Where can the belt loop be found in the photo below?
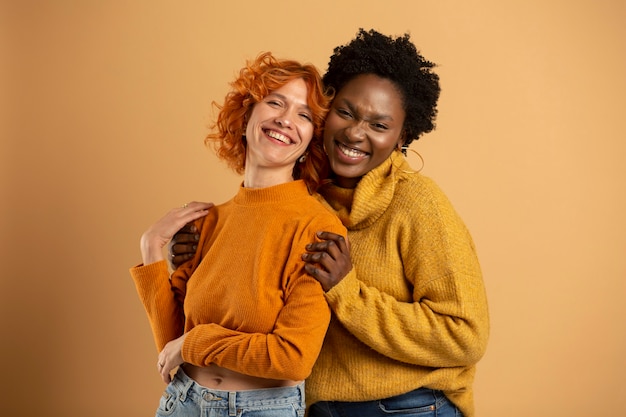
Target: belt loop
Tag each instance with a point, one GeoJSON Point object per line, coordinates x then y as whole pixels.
{"type": "Point", "coordinates": [232, 409]}
{"type": "Point", "coordinates": [301, 389]}
{"type": "Point", "coordinates": [184, 384]}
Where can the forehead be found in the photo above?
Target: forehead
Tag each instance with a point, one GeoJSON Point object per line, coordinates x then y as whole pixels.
{"type": "Point", "coordinates": [373, 94]}
{"type": "Point", "coordinates": [295, 90]}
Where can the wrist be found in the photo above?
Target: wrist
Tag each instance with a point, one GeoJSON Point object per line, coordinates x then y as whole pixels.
{"type": "Point", "coordinates": [151, 251]}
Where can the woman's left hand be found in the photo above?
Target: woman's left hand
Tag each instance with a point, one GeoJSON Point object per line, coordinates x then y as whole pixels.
{"type": "Point", "coordinates": [332, 254]}
{"type": "Point", "coordinates": [170, 357]}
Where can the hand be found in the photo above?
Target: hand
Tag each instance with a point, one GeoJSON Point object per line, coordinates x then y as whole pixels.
{"type": "Point", "coordinates": [170, 357]}
{"type": "Point", "coordinates": [329, 260]}
{"type": "Point", "coordinates": [183, 245]}
{"type": "Point", "coordinates": [161, 232]}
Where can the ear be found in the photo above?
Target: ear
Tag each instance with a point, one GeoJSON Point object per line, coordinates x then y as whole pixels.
{"type": "Point", "coordinates": [401, 139]}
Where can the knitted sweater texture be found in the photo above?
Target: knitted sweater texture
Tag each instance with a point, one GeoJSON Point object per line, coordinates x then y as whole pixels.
{"type": "Point", "coordinates": [244, 300]}
{"type": "Point", "coordinates": [413, 311]}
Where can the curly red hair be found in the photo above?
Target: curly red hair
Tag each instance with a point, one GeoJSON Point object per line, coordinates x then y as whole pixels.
{"type": "Point", "coordinates": [255, 81]}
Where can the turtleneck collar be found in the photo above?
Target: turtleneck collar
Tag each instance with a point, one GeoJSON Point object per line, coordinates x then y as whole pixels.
{"type": "Point", "coordinates": [274, 194]}
{"type": "Point", "coordinates": [360, 207]}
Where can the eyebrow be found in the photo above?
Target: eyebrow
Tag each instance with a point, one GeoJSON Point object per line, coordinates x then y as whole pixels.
{"type": "Point", "coordinates": [373, 116]}
{"type": "Point", "coordinates": [284, 98]}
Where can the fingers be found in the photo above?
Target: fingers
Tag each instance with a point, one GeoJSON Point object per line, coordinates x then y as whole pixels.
{"type": "Point", "coordinates": [165, 366]}
{"type": "Point", "coordinates": [333, 244]}
{"type": "Point", "coordinates": [180, 219]}
{"type": "Point", "coordinates": [164, 371]}
{"type": "Point", "coordinates": [192, 211]}
{"type": "Point", "coordinates": [161, 362]}
{"type": "Point", "coordinates": [197, 206]}
{"type": "Point", "coordinates": [183, 245]}
{"type": "Point", "coordinates": [170, 357]}
{"type": "Point", "coordinates": [187, 213]}
{"type": "Point", "coordinates": [180, 249]}
{"type": "Point", "coordinates": [340, 241]}
{"type": "Point", "coordinates": [328, 261]}
{"type": "Point", "coordinates": [319, 257]}
{"type": "Point", "coordinates": [185, 236]}
{"type": "Point", "coordinates": [177, 260]}
{"type": "Point", "coordinates": [329, 236]}
{"type": "Point", "coordinates": [188, 229]}
{"type": "Point", "coordinates": [325, 279]}
{"type": "Point", "coordinates": [326, 266]}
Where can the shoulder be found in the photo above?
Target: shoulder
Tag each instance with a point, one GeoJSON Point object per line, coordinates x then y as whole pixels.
{"type": "Point", "coordinates": [314, 211]}
{"type": "Point", "coordinates": [423, 203]}
{"type": "Point", "coordinates": [207, 223]}
{"type": "Point", "coordinates": [417, 188]}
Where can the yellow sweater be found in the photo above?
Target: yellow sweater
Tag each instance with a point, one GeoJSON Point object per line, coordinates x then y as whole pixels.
{"type": "Point", "coordinates": [249, 306]}
{"type": "Point", "coordinates": [413, 312]}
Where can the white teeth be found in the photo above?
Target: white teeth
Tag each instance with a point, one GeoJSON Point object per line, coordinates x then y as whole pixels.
{"type": "Point", "coordinates": [352, 153]}
{"type": "Point", "coordinates": [278, 136]}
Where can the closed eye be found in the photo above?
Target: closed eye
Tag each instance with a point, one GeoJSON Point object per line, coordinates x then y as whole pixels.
{"type": "Point", "coordinates": [274, 103]}
{"type": "Point", "coordinates": [344, 113]}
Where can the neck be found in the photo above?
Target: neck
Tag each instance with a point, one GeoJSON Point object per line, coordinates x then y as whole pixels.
{"type": "Point", "coordinates": [345, 182]}
{"type": "Point", "coordinates": [256, 177]}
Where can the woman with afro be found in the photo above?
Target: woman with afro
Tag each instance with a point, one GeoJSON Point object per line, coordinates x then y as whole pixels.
{"type": "Point", "coordinates": [410, 318]}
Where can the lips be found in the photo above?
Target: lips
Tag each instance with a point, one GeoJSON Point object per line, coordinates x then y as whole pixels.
{"type": "Point", "coordinates": [350, 152]}
{"type": "Point", "coordinates": [278, 136]}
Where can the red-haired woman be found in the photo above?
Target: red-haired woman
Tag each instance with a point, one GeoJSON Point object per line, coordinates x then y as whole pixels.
{"type": "Point", "coordinates": [242, 320]}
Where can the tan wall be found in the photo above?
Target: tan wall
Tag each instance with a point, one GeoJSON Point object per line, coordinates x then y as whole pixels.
{"type": "Point", "coordinates": [105, 105]}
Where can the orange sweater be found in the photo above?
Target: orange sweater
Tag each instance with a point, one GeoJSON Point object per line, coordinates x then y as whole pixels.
{"type": "Point", "coordinates": [245, 300]}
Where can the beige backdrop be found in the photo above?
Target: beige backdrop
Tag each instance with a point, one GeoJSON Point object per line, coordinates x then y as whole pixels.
{"type": "Point", "coordinates": [104, 108]}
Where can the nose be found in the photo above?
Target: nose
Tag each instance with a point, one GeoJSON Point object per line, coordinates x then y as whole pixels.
{"type": "Point", "coordinates": [284, 120]}
{"type": "Point", "coordinates": [355, 132]}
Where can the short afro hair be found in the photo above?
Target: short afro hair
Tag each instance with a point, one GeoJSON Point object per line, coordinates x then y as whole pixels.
{"type": "Point", "coordinates": [397, 60]}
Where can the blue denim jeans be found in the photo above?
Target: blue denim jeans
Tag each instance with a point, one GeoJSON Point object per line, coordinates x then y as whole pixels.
{"type": "Point", "coordinates": [422, 402]}
{"type": "Point", "coordinates": [183, 397]}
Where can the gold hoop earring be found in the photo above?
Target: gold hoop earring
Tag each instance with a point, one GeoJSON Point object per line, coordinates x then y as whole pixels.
{"type": "Point", "coordinates": [406, 148]}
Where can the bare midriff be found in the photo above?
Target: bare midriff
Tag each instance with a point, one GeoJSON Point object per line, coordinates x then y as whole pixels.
{"type": "Point", "coordinates": [215, 377]}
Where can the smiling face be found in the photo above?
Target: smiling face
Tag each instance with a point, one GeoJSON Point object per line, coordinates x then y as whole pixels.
{"type": "Point", "coordinates": [279, 130]}
{"type": "Point", "coordinates": [363, 127]}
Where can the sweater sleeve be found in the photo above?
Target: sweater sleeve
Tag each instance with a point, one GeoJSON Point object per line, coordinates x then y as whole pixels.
{"type": "Point", "coordinates": [163, 296]}
{"type": "Point", "coordinates": [446, 322]}
{"type": "Point", "coordinates": [164, 312]}
{"type": "Point", "coordinates": [287, 352]}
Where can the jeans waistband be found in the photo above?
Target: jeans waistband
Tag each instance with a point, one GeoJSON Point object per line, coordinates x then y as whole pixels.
{"type": "Point", "coordinates": [234, 399]}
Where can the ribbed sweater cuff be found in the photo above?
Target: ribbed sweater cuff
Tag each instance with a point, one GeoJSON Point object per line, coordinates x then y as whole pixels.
{"type": "Point", "coordinates": [346, 290]}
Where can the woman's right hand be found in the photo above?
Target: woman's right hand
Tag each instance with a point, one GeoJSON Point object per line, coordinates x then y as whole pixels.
{"type": "Point", "coordinates": [160, 233]}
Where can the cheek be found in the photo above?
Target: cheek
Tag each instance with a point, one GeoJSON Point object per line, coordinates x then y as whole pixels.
{"type": "Point", "coordinates": [327, 140]}
{"type": "Point", "coordinates": [330, 129]}
{"type": "Point", "coordinates": [387, 143]}
{"type": "Point", "coordinates": [306, 132]}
